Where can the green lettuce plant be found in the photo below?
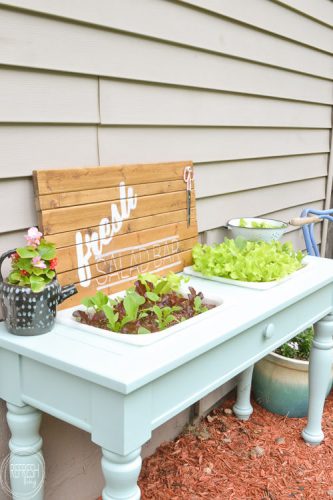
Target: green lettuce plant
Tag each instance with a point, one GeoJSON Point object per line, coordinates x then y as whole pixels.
{"type": "Point", "coordinates": [151, 305]}
{"type": "Point", "coordinates": [254, 261]}
{"type": "Point", "coordinates": [258, 225]}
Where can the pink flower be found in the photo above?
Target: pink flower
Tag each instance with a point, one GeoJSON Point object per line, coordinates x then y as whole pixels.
{"type": "Point", "coordinates": [33, 237]}
{"type": "Point", "coordinates": [38, 262]}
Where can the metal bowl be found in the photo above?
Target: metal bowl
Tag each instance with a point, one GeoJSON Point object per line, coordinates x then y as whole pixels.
{"type": "Point", "coordinates": [257, 234]}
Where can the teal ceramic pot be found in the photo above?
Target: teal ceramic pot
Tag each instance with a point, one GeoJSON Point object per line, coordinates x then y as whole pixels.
{"type": "Point", "coordinates": [281, 385]}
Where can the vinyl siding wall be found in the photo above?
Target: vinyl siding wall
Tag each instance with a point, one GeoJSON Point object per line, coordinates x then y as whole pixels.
{"type": "Point", "coordinates": [243, 88]}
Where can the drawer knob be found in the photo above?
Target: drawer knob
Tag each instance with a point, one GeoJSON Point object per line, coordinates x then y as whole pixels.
{"type": "Point", "coordinates": [269, 330]}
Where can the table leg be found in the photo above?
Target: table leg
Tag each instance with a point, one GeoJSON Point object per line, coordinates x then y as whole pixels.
{"type": "Point", "coordinates": [121, 474]}
{"type": "Point", "coordinates": [243, 408]}
{"type": "Point", "coordinates": [26, 463]}
{"type": "Point", "coordinates": [319, 374]}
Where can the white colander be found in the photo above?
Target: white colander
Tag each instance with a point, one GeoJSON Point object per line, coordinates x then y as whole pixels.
{"type": "Point", "coordinates": [257, 234]}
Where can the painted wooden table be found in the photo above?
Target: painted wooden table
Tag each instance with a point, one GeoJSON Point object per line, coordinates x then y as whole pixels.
{"type": "Point", "coordinates": [119, 393]}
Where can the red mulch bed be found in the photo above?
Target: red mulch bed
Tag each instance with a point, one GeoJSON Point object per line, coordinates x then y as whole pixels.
{"type": "Point", "coordinates": [223, 458]}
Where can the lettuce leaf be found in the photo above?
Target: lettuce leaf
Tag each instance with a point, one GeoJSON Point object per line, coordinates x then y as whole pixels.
{"type": "Point", "coordinates": [243, 260]}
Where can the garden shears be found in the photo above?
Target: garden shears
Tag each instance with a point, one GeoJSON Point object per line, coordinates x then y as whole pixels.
{"type": "Point", "coordinates": [188, 178]}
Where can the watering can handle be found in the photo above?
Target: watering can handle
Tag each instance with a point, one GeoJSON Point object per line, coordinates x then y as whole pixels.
{"type": "Point", "coordinates": [2, 258]}
{"type": "Point", "coordinates": [301, 221]}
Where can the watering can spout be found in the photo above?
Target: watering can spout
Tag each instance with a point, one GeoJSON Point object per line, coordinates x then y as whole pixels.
{"type": "Point", "coordinates": [66, 292]}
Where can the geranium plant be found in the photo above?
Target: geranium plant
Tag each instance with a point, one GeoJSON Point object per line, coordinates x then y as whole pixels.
{"type": "Point", "coordinates": [33, 265]}
{"type": "Point", "coordinates": [151, 305]}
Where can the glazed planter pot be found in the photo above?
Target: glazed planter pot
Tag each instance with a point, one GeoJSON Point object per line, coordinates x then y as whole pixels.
{"type": "Point", "coordinates": [26, 312]}
{"type": "Point", "coordinates": [280, 385]}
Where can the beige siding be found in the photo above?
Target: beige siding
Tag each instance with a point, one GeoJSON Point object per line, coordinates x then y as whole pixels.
{"type": "Point", "coordinates": [206, 144]}
{"type": "Point", "coordinates": [209, 32]}
{"type": "Point", "coordinates": [231, 176]}
{"type": "Point", "coordinates": [40, 97]}
{"type": "Point", "coordinates": [242, 87]}
{"type": "Point", "coordinates": [269, 16]}
{"type": "Point", "coordinates": [257, 201]}
{"type": "Point", "coordinates": [18, 212]}
{"type": "Point", "coordinates": [127, 102]}
{"type": "Point", "coordinates": [39, 42]}
{"type": "Point", "coordinates": [320, 9]}
{"type": "Point", "coordinates": [25, 147]}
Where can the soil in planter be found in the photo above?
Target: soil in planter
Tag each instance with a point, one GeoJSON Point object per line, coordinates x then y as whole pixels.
{"type": "Point", "coordinates": [152, 311]}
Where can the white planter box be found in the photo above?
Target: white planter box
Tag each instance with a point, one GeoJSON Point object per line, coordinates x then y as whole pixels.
{"type": "Point", "coordinates": [66, 317]}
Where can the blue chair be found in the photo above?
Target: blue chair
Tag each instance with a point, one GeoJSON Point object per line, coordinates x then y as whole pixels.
{"type": "Point", "coordinates": [308, 229]}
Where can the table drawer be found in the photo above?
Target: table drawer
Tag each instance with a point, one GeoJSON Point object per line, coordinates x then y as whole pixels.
{"type": "Point", "coordinates": [190, 382]}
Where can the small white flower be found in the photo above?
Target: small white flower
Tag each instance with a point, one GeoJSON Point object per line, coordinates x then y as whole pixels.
{"type": "Point", "coordinates": [293, 345]}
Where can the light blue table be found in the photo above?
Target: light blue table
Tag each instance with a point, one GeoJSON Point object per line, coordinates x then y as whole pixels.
{"type": "Point", "coordinates": [119, 393]}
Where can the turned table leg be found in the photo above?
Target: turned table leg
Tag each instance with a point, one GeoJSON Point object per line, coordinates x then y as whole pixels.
{"type": "Point", "coordinates": [26, 463]}
{"type": "Point", "coordinates": [319, 375]}
{"type": "Point", "coordinates": [121, 475]}
{"type": "Point", "coordinates": [243, 408]}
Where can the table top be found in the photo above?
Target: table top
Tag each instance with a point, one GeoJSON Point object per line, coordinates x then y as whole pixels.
{"type": "Point", "coordinates": [124, 368]}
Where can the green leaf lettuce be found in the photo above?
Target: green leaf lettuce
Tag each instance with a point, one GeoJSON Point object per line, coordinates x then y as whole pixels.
{"type": "Point", "coordinates": [239, 259]}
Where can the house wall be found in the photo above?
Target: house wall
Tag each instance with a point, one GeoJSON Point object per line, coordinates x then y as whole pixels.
{"type": "Point", "coordinates": [243, 88]}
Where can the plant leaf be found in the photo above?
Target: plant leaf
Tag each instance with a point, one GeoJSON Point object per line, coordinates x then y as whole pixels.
{"type": "Point", "coordinates": [38, 272]}
{"type": "Point", "coordinates": [112, 317]}
{"type": "Point", "coordinates": [132, 301]}
{"type": "Point", "coordinates": [131, 307]}
{"type": "Point", "coordinates": [152, 296]}
{"type": "Point", "coordinates": [24, 281]}
{"type": "Point", "coordinates": [138, 299]}
{"type": "Point", "coordinates": [143, 330]}
{"type": "Point", "coordinates": [97, 301]}
{"type": "Point", "coordinates": [88, 302]}
{"type": "Point", "coordinates": [100, 300]}
{"type": "Point", "coordinates": [46, 250]}
{"type": "Point", "coordinates": [170, 318]}
{"type": "Point", "coordinates": [27, 252]}
{"type": "Point", "coordinates": [37, 283]}
{"type": "Point", "coordinates": [157, 310]}
{"type": "Point", "coordinates": [14, 277]}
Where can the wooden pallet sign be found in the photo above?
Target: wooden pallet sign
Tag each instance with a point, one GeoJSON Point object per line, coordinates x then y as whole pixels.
{"type": "Point", "coordinates": [111, 224]}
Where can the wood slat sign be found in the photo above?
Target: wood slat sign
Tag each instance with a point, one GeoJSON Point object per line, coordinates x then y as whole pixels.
{"type": "Point", "coordinates": [111, 224]}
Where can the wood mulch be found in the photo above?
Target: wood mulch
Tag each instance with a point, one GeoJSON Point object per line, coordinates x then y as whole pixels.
{"type": "Point", "coordinates": [223, 458]}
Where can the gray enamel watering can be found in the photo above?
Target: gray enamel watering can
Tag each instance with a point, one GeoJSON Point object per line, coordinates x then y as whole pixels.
{"type": "Point", "coordinates": [29, 313]}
